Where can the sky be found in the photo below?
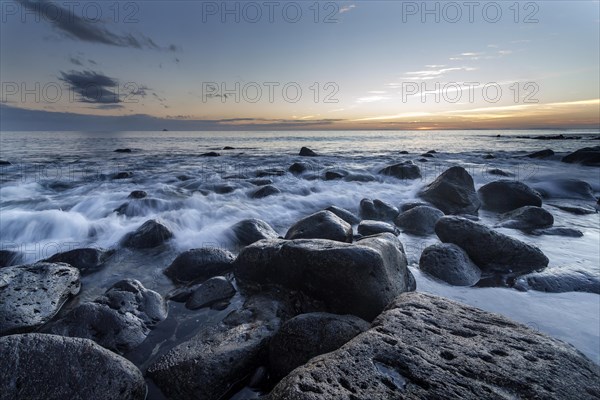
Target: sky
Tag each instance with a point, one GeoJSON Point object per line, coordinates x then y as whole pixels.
{"type": "Point", "coordinates": [244, 65]}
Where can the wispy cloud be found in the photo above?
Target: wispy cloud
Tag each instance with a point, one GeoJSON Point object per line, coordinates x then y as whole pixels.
{"type": "Point", "coordinates": [92, 87]}
{"type": "Point", "coordinates": [78, 28]}
{"type": "Point", "coordinates": [372, 99]}
{"type": "Point", "coordinates": [347, 8]}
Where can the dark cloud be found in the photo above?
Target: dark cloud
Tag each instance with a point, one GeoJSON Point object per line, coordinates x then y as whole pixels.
{"type": "Point", "coordinates": [92, 87]}
{"type": "Point", "coordinates": [77, 27]}
{"type": "Point", "coordinates": [75, 61]}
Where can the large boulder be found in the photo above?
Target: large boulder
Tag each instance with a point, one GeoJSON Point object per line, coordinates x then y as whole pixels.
{"type": "Point", "coordinates": [586, 156]}
{"type": "Point", "coordinates": [252, 230]}
{"type": "Point", "coordinates": [31, 295]}
{"type": "Point", "coordinates": [344, 214]}
{"type": "Point", "coordinates": [36, 366]}
{"type": "Point", "coordinates": [265, 191]}
{"type": "Point", "coordinates": [213, 290]}
{"type": "Point", "coordinates": [453, 192]}
{"type": "Point", "coordinates": [566, 188]}
{"type": "Point", "coordinates": [506, 195]}
{"type": "Point", "coordinates": [561, 279]}
{"type": "Point", "coordinates": [306, 152]}
{"type": "Point", "coordinates": [419, 220]}
{"type": "Point", "coordinates": [220, 356]}
{"type": "Point", "coordinates": [377, 210]}
{"type": "Point", "coordinates": [427, 347]}
{"type": "Point", "coordinates": [358, 279]}
{"type": "Point", "coordinates": [449, 263]}
{"type": "Point", "coordinates": [403, 170]}
{"type": "Point", "coordinates": [491, 251]}
{"type": "Point", "coordinates": [200, 264]}
{"type": "Point", "coordinates": [308, 335]}
{"type": "Point", "coordinates": [527, 218]}
{"type": "Point", "coordinates": [152, 233]}
{"type": "Point", "coordinates": [86, 260]}
{"type": "Point", "coordinates": [541, 154]}
{"type": "Point", "coordinates": [298, 168]}
{"type": "Point", "coordinates": [367, 228]}
{"type": "Point", "coordinates": [120, 320]}
{"type": "Point", "coordinates": [321, 225]}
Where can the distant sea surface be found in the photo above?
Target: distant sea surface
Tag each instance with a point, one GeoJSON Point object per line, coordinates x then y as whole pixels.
{"type": "Point", "coordinates": [60, 193]}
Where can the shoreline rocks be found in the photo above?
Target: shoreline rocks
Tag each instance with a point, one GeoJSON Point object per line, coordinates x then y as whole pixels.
{"type": "Point", "coordinates": [453, 192]}
{"type": "Point", "coordinates": [527, 218]}
{"type": "Point", "coordinates": [252, 230]}
{"type": "Point", "coordinates": [506, 195]}
{"type": "Point", "coordinates": [321, 225]}
{"type": "Point", "coordinates": [152, 233]}
{"type": "Point", "coordinates": [449, 263]}
{"type": "Point", "coordinates": [589, 156]}
{"type": "Point", "coordinates": [377, 210]}
{"type": "Point", "coordinates": [404, 170]}
{"type": "Point", "coordinates": [86, 260]}
{"type": "Point", "coordinates": [199, 264]}
{"type": "Point", "coordinates": [419, 220]}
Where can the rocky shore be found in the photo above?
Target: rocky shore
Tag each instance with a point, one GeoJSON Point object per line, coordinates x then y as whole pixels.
{"type": "Point", "coordinates": [330, 309]}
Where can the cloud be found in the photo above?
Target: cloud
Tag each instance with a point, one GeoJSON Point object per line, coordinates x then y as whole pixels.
{"type": "Point", "coordinates": [92, 87]}
{"type": "Point", "coordinates": [79, 28]}
{"type": "Point", "coordinates": [372, 99]}
{"type": "Point", "coordinates": [345, 9]}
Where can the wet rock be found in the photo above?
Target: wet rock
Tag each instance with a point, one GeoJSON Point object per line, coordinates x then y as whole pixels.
{"type": "Point", "coordinates": [335, 175]}
{"type": "Point", "coordinates": [453, 192]}
{"type": "Point", "coordinates": [410, 205]}
{"type": "Point", "coordinates": [359, 178]}
{"type": "Point", "coordinates": [137, 194]}
{"type": "Point", "coordinates": [261, 181]}
{"type": "Point", "coordinates": [565, 188]}
{"type": "Point", "coordinates": [306, 152]}
{"type": "Point", "coordinates": [220, 356]}
{"type": "Point", "coordinates": [321, 225]}
{"type": "Point", "coordinates": [403, 170]}
{"type": "Point", "coordinates": [587, 156]}
{"type": "Point", "coordinates": [558, 231]}
{"type": "Point", "coordinates": [309, 335]}
{"type": "Point", "coordinates": [489, 156]}
{"type": "Point", "coordinates": [507, 195]}
{"type": "Point", "coordinates": [31, 295]}
{"type": "Point", "coordinates": [403, 152]}
{"type": "Point", "coordinates": [252, 230]}
{"type": "Point", "coordinates": [200, 264]}
{"type": "Point", "coordinates": [449, 263]}
{"type": "Point", "coordinates": [87, 260]}
{"type": "Point", "coordinates": [541, 154]}
{"type": "Point", "coordinates": [575, 210]}
{"type": "Point", "coordinates": [428, 155]}
{"type": "Point", "coordinates": [423, 160]}
{"type": "Point", "coordinates": [491, 251]}
{"type": "Point", "coordinates": [35, 366]}
{"type": "Point", "coordinates": [151, 234]}
{"type": "Point", "coordinates": [119, 320]}
{"type": "Point", "coordinates": [213, 290]}
{"type": "Point", "coordinates": [4, 162]}
{"type": "Point", "coordinates": [122, 175]}
{"type": "Point", "coordinates": [358, 279]}
{"type": "Point", "coordinates": [270, 172]}
{"type": "Point", "coordinates": [265, 191]}
{"type": "Point", "coordinates": [210, 154]}
{"type": "Point", "coordinates": [367, 228]}
{"type": "Point", "coordinates": [184, 178]}
{"type": "Point", "coordinates": [428, 347]}
{"type": "Point", "coordinates": [560, 280]}
{"type": "Point", "coordinates": [298, 168]}
{"type": "Point", "coordinates": [344, 214]}
{"type": "Point", "coordinates": [499, 172]}
{"type": "Point", "coordinates": [123, 151]}
{"type": "Point", "coordinates": [419, 220]}
{"type": "Point", "coordinates": [527, 218]}
{"type": "Point", "coordinates": [9, 258]}
{"type": "Point", "coordinates": [223, 188]}
{"type": "Point", "coordinates": [377, 210]}
{"type": "Point", "coordinates": [228, 148]}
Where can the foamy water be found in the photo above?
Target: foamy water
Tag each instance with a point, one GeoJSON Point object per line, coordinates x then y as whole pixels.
{"type": "Point", "coordinates": [58, 194]}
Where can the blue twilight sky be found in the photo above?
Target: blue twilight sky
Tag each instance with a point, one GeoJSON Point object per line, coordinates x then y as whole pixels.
{"type": "Point", "coordinates": [299, 65]}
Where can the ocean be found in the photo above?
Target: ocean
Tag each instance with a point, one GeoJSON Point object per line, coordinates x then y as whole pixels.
{"type": "Point", "coordinates": [58, 193]}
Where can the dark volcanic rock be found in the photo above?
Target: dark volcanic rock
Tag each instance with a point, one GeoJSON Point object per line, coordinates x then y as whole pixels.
{"type": "Point", "coordinates": [270, 172]}
{"type": "Point", "coordinates": [122, 175]}
{"type": "Point", "coordinates": [299, 168]}
{"type": "Point", "coordinates": [220, 356]}
{"type": "Point", "coordinates": [210, 154]}
{"type": "Point", "coordinates": [558, 231]}
{"type": "Point", "coordinates": [213, 290]}
{"type": "Point", "coordinates": [377, 210]}
{"type": "Point", "coordinates": [334, 175]}
{"type": "Point", "coordinates": [30, 295]}
{"type": "Point", "coordinates": [403, 170]}
{"type": "Point", "coordinates": [367, 228]}
{"type": "Point", "coordinates": [498, 172]}
{"type": "Point", "coordinates": [261, 181]}
{"type": "Point", "coordinates": [559, 280]}
{"type": "Point", "coordinates": [119, 320]}
{"type": "Point", "coordinates": [359, 178]}
{"type": "Point", "coordinates": [565, 188]}
{"type": "Point", "coordinates": [410, 205]}
{"type": "Point", "coordinates": [9, 258]}
{"type": "Point", "coordinates": [151, 234]}
{"type": "Point", "coordinates": [321, 225]}
{"type": "Point", "coordinates": [344, 214]}
{"type": "Point", "coordinates": [419, 220]}
{"type": "Point", "coordinates": [489, 156]}
{"type": "Point", "coordinates": [4, 162]}
{"type": "Point", "coordinates": [86, 260]}
{"type": "Point", "coordinates": [541, 154]}
{"type": "Point", "coordinates": [306, 152]}
{"type": "Point", "coordinates": [491, 251]}
{"type": "Point", "coordinates": [252, 230]}
{"type": "Point", "coordinates": [575, 210]}
{"type": "Point", "coordinates": [265, 191]}
{"type": "Point", "coordinates": [309, 335]}
{"type": "Point", "coordinates": [35, 366]}
{"type": "Point", "coordinates": [453, 192]}
{"type": "Point", "coordinates": [200, 264]}
{"type": "Point", "coordinates": [507, 195]}
{"type": "Point", "coordinates": [123, 151]}
{"type": "Point", "coordinates": [137, 194]}
{"type": "Point", "coordinates": [586, 156]}
{"type": "Point", "coordinates": [358, 279]}
{"type": "Point", "coordinates": [427, 347]}
{"type": "Point", "coordinates": [527, 218]}
{"type": "Point", "coordinates": [450, 263]}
